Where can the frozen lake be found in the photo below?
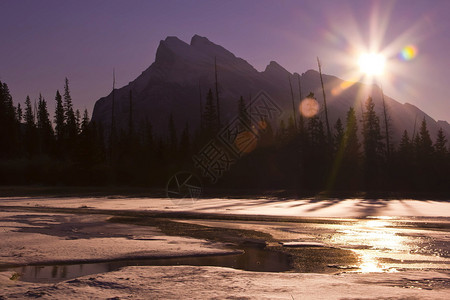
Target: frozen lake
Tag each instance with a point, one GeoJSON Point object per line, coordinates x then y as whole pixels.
{"type": "Point", "coordinates": [63, 240]}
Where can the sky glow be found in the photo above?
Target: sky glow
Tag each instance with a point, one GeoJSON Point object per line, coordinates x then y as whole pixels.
{"type": "Point", "coordinates": [45, 41]}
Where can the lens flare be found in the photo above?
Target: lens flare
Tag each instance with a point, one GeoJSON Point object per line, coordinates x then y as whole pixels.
{"type": "Point", "coordinates": [246, 141]}
{"type": "Point", "coordinates": [343, 86]}
{"type": "Point", "coordinates": [309, 107]}
{"type": "Point", "coordinates": [408, 53]}
{"type": "Point", "coordinates": [262, 125]}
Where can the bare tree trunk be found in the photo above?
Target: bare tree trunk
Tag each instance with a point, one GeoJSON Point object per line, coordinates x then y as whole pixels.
{"type": "Point", "coordinates": [293, 104]}
{"type": "Point", "coordinates": [386, 124]}
{"type": "Point", "coordinates": [217, 93]}
{"type": "Point", "coordinates": [201, 107]}
{"type": "Point", "coordinates": [324, 102]}
{"type": "Point", "coordinates": [35, 112]}
{"type": "Point", "coordinates": [414, 129]}
{"type": "Point", "coordinates": [113, 124]}
{"type": "Point", "coordinates": [130, 118]}
{"type": "Point", "coordinates": [112, 104]}
{"type": "Point", "coordinates": [300, 101]}
{"type": "Point", "coordinates": [250, 104]}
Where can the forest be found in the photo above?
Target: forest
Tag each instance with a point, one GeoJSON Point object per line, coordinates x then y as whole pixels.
{"type": "Point", "coordinates": [302, 154]}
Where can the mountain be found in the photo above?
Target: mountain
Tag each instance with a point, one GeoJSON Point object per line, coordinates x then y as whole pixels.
{"type": "Point", "coordinates": [181, 71]}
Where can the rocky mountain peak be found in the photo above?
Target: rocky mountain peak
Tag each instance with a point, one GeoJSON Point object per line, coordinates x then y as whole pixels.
{"type": "Point", "coordinates": [275, 69]}
{"type": "Point", "coordinates": [197, 40]}
{"type": "Point", "coordinates": [172, 48]}
{"type": "Point", "coordinates": [210, 49]}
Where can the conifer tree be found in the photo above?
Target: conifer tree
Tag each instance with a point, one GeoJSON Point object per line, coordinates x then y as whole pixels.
{"type": "Point", "coordinates": [351, 135]}
{"type": "Point", "coordinates": [78, 120]}
{"type": "Point", "coordinates": [30, 128]}
{"type": "Point", "coordinates": [339, 135]}
{"type": "Point", "coordinates": [29, 117]}
{"type": "Point", "coordinates": [44, 127]}
{"type": "Point", "coordinates": [425, 144]}
{"type": "Point", "coordinates": [85, 121]}
{"type": "Point", "coordinates": [60, 124]}
{"type": "Point", "coordinates": [405, 143]}
{"type": "Point", "coordinates": [424, 154]}
{"type": "Point", "coordinates": [210, 117]}
{"type": "Point", "coordinates": [59, 118]}
{"type": "Point", "coordinates": [352, 154]}
{"type": "Point", "coordinates": [19, 113]}
{"type": "Point", "coordinates": [346, 169]}
{"type": "Point", "coordinates": [439, 145]}
{"type": "Point", "coordinates": [373, 146]}
{"type": "Point", "coordinates": [88, 151]}
{"type": "Point", "coordinates": [405, 149]}
{"type": "Point", "coordinates": [69, 114]}
{"type": "Point", "coordinates": [8, 122]}
{"type": "Point", "coordinates": [441, 163]}
{"type": "Point", "coordinates": [316, 132]}
{"type": "Point", "coordinates": [316, 152]}
{"type": "Point", "coordinates": [404, 163]}
{"type": "Point", "coordinates": [43, 121]}
{"type": "Point", "coordinates": [173, 141]}
{"type": "Point", "coordinates": [242, 111]}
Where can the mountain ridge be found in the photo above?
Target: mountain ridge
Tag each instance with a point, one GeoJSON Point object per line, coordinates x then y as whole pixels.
{"type": "Point", "coordinates": [173, 82]}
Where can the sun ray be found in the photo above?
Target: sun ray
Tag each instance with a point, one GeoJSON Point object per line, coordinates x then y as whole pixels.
{"type": "Point", "coordinates": [379, 24]}
{"type": "Point", "coordinates": [346, 39]}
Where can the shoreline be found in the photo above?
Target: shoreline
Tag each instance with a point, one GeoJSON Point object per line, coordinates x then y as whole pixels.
{"type": "Point", "coordinates": [208, 192]}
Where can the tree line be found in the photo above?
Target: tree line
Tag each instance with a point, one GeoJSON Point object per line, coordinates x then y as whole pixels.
{"type": "Point", "coordinates": [354, 156]}
{"type": "Point", "coordinates": [302, 154]}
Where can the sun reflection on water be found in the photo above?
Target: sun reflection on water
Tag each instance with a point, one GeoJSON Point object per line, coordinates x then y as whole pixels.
{"type": "Point", "coordinates": [369, 264]}
{"type": "Point", "coordinates": [377, 223]}
{"type": "Point", "coordinates": [373, 238]}
{"type": "Point", "coordinates": [373, 234]}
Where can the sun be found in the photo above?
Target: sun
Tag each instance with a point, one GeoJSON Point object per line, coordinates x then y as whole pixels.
{"type": "Point", "coordinates": [372, 64]}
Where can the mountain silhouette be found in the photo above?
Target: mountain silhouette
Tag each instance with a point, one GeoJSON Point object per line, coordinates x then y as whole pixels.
{"type": "Point", "coordinates": [182, 71]}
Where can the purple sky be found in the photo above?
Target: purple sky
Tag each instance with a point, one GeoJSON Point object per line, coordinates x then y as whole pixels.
{"type": "Point", "coordinates": [43, 41]}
